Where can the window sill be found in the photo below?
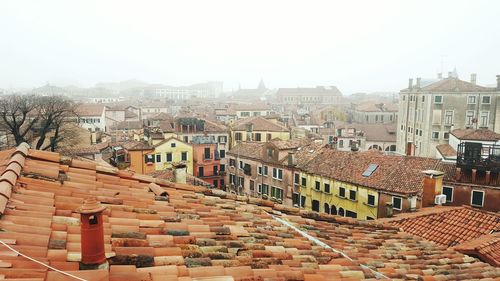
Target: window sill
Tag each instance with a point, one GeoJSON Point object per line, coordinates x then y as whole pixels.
{"type": "Point", "coordinates": [341, 197]}
{"type": "Point", "coordinates": [477, 206]}
{"type": "Point", "coordinates": [352, 200]}
{"type": "Point", "coordinates": [366, 204]}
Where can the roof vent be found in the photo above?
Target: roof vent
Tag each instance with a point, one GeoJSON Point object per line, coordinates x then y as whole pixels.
{"type": "Point", "coordinates": [369, 171]}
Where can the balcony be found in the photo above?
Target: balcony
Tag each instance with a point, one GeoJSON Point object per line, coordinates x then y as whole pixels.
{"type": "Point", "coordinates": [482, 157]}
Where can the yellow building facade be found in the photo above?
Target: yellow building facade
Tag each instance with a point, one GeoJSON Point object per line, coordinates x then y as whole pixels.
{"type": "Point", "coordinates": [171, 151]}
{"type": "Point", "coordinates": [328, 195]}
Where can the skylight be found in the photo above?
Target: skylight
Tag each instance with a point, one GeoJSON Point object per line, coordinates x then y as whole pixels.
{"type": "Point", "coordinates": [369, 171]}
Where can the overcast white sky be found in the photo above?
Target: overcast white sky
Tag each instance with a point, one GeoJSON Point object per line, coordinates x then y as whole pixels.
{"type": "Point", "coordinates": [355, 45]}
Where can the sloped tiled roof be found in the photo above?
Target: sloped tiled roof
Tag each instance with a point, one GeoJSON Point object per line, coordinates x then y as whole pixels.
{"type": "Point", "coordinates": [450, 227]}
{"type": "Point", "coordinates": [259, 124]}
{"type": "Point", "coordinates": [90, 110]}
{"type": "Point", "coordinates": [487, 248]}
{"type": "Point", "coordinates": [446, 150]}
{"type": "Point", "coordinates": [476, 134]}
{"type": "Point", "coordinates": [195, 233]}
{"type": "Point", "coordinates": [396, 174]}
{"type": "Point", "coordinates": [452, 84]}
{"type": "Point", "coordinates": [251, 149]}
{"type": "Point", "coordinates": [320, 90]}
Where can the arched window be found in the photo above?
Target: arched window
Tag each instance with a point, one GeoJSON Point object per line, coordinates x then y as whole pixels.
{"type": "Point", "coordinates": [333, 210]}
{"type": "Point", "coordinates": [327, 208]}
{"type": "Point", "coordinates": [341, 212]}
{"type": "Point", "coordinates": [315, 205]}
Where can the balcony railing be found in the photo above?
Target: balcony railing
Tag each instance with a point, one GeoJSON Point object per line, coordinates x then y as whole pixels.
{"type": "Point", "coordinates": [483, 157]}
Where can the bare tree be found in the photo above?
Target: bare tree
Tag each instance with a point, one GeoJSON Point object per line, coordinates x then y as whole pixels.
{"type": "Point", "coordinates": [42, 121]}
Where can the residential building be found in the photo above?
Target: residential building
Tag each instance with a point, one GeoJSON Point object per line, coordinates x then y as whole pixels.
{"type": "Point", "coordinates": [206, 90]}
{"type": "Point", "coordinates": [265, 170]}
{"type": "Point", "coordinates": [173, 151]}
{"type": "Point", "coordinates": [428, 113]}
{"type": "Point", "coordinates": [250, 110]}
{"type": "Point", "coordinates": [257, 129]}
{"type": "Point", "coordinates": [138, 155]}
{"type": "Point", "coordinates": [67, 221]}
{"type": "Point", "coordinates": [92, 117]}
{"type": "Point", "coordinates": [117, 114]}
{"type": "Point", "coordinates": [448, 152]}
{"type": "Point", "coordinates": [364, 185]}
{"type": "Point", "coordinates": [207, 161]}
{"type": "Point", "coordinates": [151, 109]}
{"type": "Point", "coordinates": [373, 113]}
{"type": "Point", "coordinates": [309, 96]}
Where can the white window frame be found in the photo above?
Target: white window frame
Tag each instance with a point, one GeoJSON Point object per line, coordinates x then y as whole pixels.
{"type": "Point", "coordinates": [374, 198]}
{"type": "Point", "coordinates": [482, 100]}
{"type": "Point", "coordinates": [446, 115]}
{"type": "Point", "coordinates": [480, 121]}
{"type": "Point", "coordinates": [472, 195]}
{"type": "Point", "coordinates": [469, 97]}
{"type": "Point", "coordinates": [452, 192]}
{"type": "Point", "coordinates": [393, 206]}
{"type": "Point", "coordinates": [467, 123]}
{"type": "Point", "coordinates": [435, 102]}
{"type": "Point", "coordinates": [433, 132]}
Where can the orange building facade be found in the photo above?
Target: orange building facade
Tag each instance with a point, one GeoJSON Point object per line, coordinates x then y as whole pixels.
{"type": "Point", "coordinates": [206, 162]}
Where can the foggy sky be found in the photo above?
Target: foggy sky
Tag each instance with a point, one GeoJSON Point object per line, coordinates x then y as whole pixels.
{"type": "Point", "coordinates": [355, 45]}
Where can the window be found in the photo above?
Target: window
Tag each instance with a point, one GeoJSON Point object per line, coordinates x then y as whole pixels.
{"type": "Point", "coordinates": [184, 156]}
{"type": "Point", "coordinates": [302, 201]}
{"type": "Point", "coordinates": [438, 99]}
{"type": "Point", "coordinates": [435, 135]}
{"type": "Point", "coordinates": [304, 182]}
{"type": "Point", "coordinates": [247, 170]}
{"type": "Point", "coordinates": [276, 192]}
{"type": "Point", "coordinates": [477, 198]}
{"type": "Point", "coordinates": [369, 218]}
{"type": "Point", "coordinates": [148, 159]}
{"type": "Point", "coordinates": [222, 153]}
{"type": "Point", "coordinates": [265, 170]}
{"type": "Point", "coordinates": [269, 152]}
{"type": "Point", "coordinates": [396, 202]}
{"type": "Point", "coordinates": [317, 185]}
{"type": "Point", "coordinates": [265, 189]}
{"type": "Point", "coordinates": [232, 162]}
{"type": "Point", "coordinates": [370, 170]}
{"type": "Point", "coordinates": [341, 143]}
{"type": "Point", "coordinates": [326, 208]}
{"type": "Point", "coordinates": [423, 98]}
{"type": "Point", "coordinates": [371, 200]}
{"type": "Point", "coordinates": [446, 135]}
{"type": "Point", "coordinates": [222, 139]}
{"type": "Point", "coordinates": [296, 179]}
{"type": "Point", "coordinates": [471, 99]}
{"type": "Point", "coordinates": [327, 188]}
{"type": "Point", "coordinates": [259, 170]}
{"type": "Point", "coordinates": [238, 136]}
{"type": "Point", "coordinates": [216, 183]}
{"type": "Point", "coordinates": [169, 157]}
{"type": "Point", "coordinates": [342, 192]}
{"type": "Point", "coordinates": [448, 191]}
{"type": "Point", "coordinates": [469, 117]}
{"type": "Point", "coordinates": [172, 144]}
{"type": "Point", "coordinates": [404, 97]}
{"type": "Point", "coordinates": [185, 139]}
{"type": "Point", "coordinates": [351, 214]}
{"type": "Point", "coordinates": [241, 165]}
{"type": "Point", "coordinates": [341, 212]}
{"type": "Point", "coordinates": [158, 158]}
{"type": "Point", "coordinates": [448, 117]}
{"type": "Point", "coordinates": [222, 167]}
{"type": "Point", "coordinates": [295, 199]}
{"type": "Point", "coordinates": [275, 173]}
{"type": "Point", "coordinates": [206, 153]}
{"type": "Point", "coordinates": [352, 195]}
{"type": "Point", "coordinates": [268, 137]}
{"type": "Point", "coordinates": [257, 136]}
{"type": "Point", "coordinates": [484, 118]}
{"type": "Point", "coordinates": [486, 100]}
{"type": "Point", "coordinates": [200, 171]}
{"type": "Point", "coordinates": [315, 205]}
{"type": "Point", "coordinates": [280, 174]}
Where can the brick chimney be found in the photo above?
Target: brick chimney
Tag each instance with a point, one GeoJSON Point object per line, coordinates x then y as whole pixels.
{"type": "Point", "coordinates": [473, 78]}
{"type": "Point", "coordinates": [433, 183]}
{"type": "Point", "coordinates": [92, 234]}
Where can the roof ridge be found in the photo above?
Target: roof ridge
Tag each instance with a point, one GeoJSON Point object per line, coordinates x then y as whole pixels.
{"type": "Point", "coordinates": [9, 176]}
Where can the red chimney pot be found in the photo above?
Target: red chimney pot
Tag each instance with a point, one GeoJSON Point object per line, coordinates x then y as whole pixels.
{"type": "Point", "coordinates": [92, 231]}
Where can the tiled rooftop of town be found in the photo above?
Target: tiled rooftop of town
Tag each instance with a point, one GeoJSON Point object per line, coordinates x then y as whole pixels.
{"type": "Point", "coordinates": [195, 233]}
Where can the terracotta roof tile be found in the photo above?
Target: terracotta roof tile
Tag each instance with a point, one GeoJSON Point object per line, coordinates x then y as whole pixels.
{"type": "Point", "coordinates": [199, 233]}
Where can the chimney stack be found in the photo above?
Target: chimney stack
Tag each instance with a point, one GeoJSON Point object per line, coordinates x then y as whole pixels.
{"type": "Point", "coordinates": [498, 82]}
{"type": "Point", "coordinates": [418, 82]}
{"type": "Point", "coordinates": [180, 173]}
{"type": "Point", "coordinates": [440, 75]}
{"type": "Point", "coordinates": [410, 83]}
{"type": "Point", "coordinates": [433, 183]}
{"type": "Point", "coordinates": [473, 77]}
{"type": "Point", "coordinates": [92, 234]}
